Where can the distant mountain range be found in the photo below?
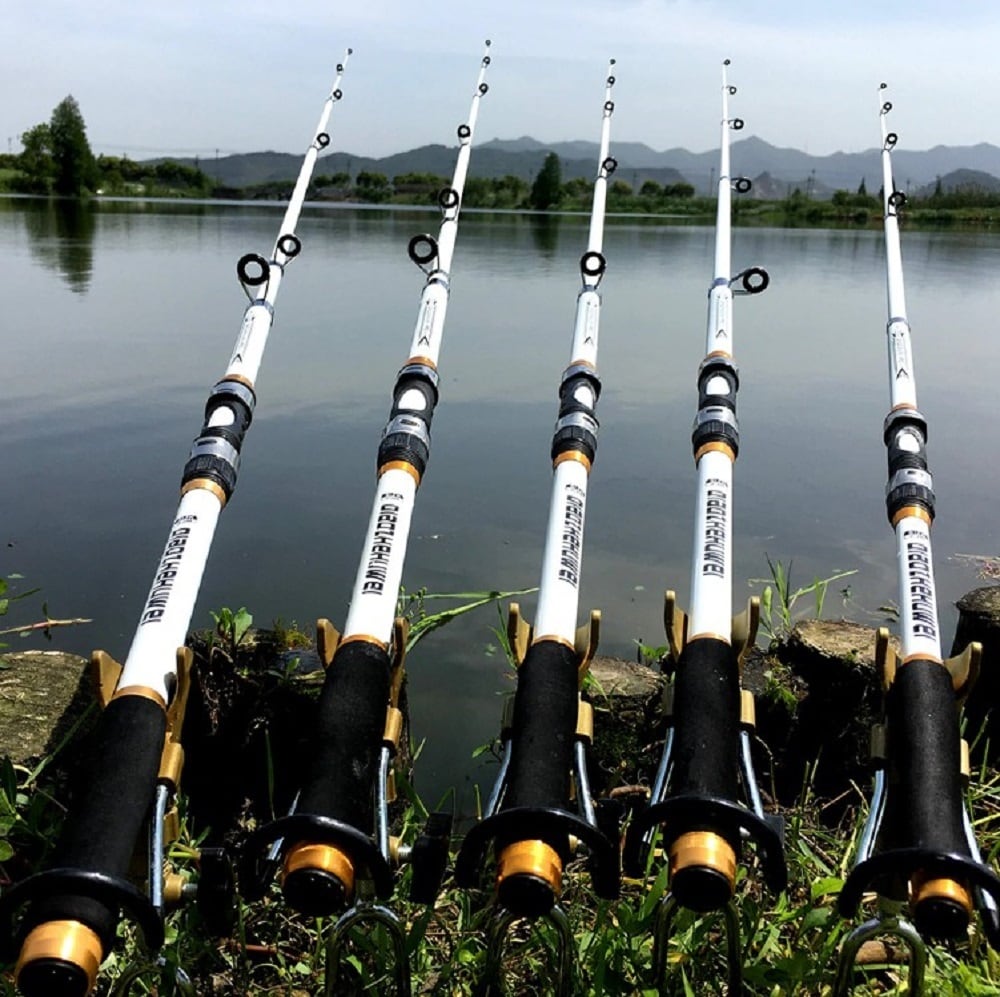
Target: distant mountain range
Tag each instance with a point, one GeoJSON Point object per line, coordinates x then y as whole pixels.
{"type": "Point", "coordinates": [752, 157]}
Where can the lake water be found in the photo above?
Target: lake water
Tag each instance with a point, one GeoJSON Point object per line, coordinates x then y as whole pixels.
{"type": "Point", "coordinates": [118, 318]}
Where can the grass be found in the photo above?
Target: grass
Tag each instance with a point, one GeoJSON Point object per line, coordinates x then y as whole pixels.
{"type": "Point", "coordinates": [790, 943]}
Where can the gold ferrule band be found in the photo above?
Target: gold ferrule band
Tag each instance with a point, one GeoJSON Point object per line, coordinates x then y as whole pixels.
{"type": "Point", "coordinates": [716, 446]}
{"type": "Point", "coordinates": [426, 361]}
{"type": "Point", "coordinates": [364, 639]}
{"type": "Point", "coordinates": [67, 941]}
{"type": "Point", "coordinates": [553, 638]}
{"type": "Point", "coordinates": [580, 458]}
{"type": "Point", "coordinates": [400, 465]}
{"type": "Point", "coordinates": [704, 850]}
{"type": "Point", "coordinates": [207, 485]}
{"type": "Point", "coordinates": [144, 692]}
{"type": "Point", "coordinates": [531, 858]}
{"type": "Point", "coordinates": [912, 511]}
{"type": "Point", "coordinates": [919, 657]}
{"type": "Point", "coordinates": [582, 363]}
{"type": "Point", "coordinates": [239, 379]}
{"type": "Point", "coordinates": [719, 353]}
{"type": "Point", "coordinates": [924, 888]}
{"type": "Point", "coordinates": [321, 858]}
{"type": "Point", "coordinates": [709, 635]}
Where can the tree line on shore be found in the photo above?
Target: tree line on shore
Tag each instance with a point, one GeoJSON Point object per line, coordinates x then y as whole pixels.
{"type": "Point", "coordinates": [57, 160]}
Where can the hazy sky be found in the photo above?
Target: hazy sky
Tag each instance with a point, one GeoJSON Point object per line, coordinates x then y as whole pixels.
{"type": "Point", "coordinates": [191, 77]}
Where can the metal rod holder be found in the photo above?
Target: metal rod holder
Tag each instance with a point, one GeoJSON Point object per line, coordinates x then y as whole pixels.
{"type": "Point", "coordinates": [885, 924]}
{"type": "Point", "coordinates": [565, 953]}
{"type": "Point", "coordinates": [665, 915]}
{"type": "Point", "coordinates": [367, 913]}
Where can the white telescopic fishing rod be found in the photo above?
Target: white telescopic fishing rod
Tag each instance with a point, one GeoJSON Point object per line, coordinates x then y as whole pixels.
{"type": "Point", "coordinates": [696, 798]}
{"type": "Point", "coordinates": [529, 819]}
{"type": "Point", "coordinates": [918, 831]}
{"type": "Point", "coordinates": [338, 835]}
{"type": "Point", "coordinates": [70, 925]}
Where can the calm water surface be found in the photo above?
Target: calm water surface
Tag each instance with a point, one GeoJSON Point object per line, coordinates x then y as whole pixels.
{"type": "Point", "coordinates": [117, 320]}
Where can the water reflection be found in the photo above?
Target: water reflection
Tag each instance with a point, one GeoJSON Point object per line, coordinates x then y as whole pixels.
{"type": "Point", "coordinates": [545, 232]}
{"type": "Point", "coordinates": [61, 237]}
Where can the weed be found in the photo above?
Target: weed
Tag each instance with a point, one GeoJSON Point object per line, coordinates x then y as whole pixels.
{"type": "Point", "coordinates": [778, 599]}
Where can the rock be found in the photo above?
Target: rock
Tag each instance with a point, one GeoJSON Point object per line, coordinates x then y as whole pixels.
{"type": "Point", "coordinates": [42, 694]}
{"type": "Point", "coordinates": [628, 722]}
{"type": "Point", "coordinates": [979, 619]}
{"type": "Point", "coordinates": [817, 697]}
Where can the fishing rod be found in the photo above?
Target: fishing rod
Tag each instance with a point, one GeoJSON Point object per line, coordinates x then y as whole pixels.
{"type": "Point", "coordinates": [74, 907]}
{"type": "Point", "coordinates": [918, 846]}
{"type": "Point", "coordinates": [335, 848]}
{"type": "Point", "coordinates": [530, 819]}
{"type": "Point", "coordinates": [695, 800]}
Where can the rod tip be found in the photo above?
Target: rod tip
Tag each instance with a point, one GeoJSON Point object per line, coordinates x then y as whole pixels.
{"type": "Point", "coordinates": [613, 61]}
{"type": "Point", "coordinates": [883, 86]}
{"type": "Point", "coordinates": [725, 62]}
{"type": "Point", "coordinates": [488, 43]}
{"type": "Point", "coordinates": [350, 51]}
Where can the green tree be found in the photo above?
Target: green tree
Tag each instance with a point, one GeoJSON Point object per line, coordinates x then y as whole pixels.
{"type": "Point", "coordinates": [75, 170]}
{"type": "Point", "coordinates": [36, 161]}
{"type": "Point", "coordinates": [650, 188]}
{"type": "Point", "coordinates": [547, 188]}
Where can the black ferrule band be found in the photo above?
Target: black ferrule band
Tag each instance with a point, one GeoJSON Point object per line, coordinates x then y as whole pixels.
{"type": "Point", "coordinates": [925, 791]}
{"type": "Point", "coordinates": [706, 721]}
{"type": "Point", "coordinates": [351, 721]}
{"type": "Point", "coordinates": [215, 458]}
{"type": "Point", "coordinates": [577, 432]}
{"type": "Point", "coordinates": [104, 822]}
{"type": "Point", "coordinates": [910, 483]}
{"type": "Point", "coordinates": [215, 454]}
{"type": "Point", "coordinates": [543, 728]}
{"type": "Point", "coordinates": [407, 435]}
{"type": "Point", "coordinates": [710, 369]}
{"type": "Point", "coordinates": [716, 425]}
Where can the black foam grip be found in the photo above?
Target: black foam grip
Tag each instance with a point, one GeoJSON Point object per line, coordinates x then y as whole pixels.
{"type": "Point", "coordinates": [543, 728]}
{"type": "Point", "coordinates": [925, 754]}
{"type": "Point", "coordinates": [352, 706]}
{"type": "Point", "coordinates": [706, 747]}
{"type": "Point", "coordinates": [101, 831]}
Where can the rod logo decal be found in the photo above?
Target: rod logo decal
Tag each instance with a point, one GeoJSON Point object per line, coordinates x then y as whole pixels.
{"type": "Point", "coordinates": [571, 542]}
{"type": "Point", "coordinates": [920, 584]}
{"type": "Point", "coordinates": [426, 324]}
{"type": "Point", "coordinates": [380, 552]}
{"type": "Point", "coordinates": [713, 553]}
{"type": "Point", "coordinates": [166, 571]}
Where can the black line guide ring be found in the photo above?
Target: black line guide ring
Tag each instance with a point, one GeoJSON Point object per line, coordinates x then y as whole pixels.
{"type": "Point", "coordinates": [464, 131]}
{"type": "Point", "coordinates": [732, 91]}
{"type": "Point", "coordinates": [486, 60]}
{"type": "Point", "coordinates": [290, 245]}
{"type": "Point", "coordinates": [337, 94]}
{"type": "Point", "coordinates": [246, 277]}
{"type": "Point", "coordinates": [742, 185]}
{"type": "Point", "coordinates": [611, 81]}
{"type": "Point", "coordinates": [448, 198]}
{"type": "Point", "coordinates": [428, 254]}
{"type": "Point", "coordinates": [484, 88]}
{"type": "Point", "coordinates": [593, 264]}
{"type": "Point", "coordinates": [609, 165]}
{"type": "Point", "coordinates": [887, 107]}
{"type": "Point", "coordinates": [322, 140]}
{"type": "Point", "coordinates": [891, 139]}
{"type": "Point", "coordinates": [609, 106]}
{"type": "Point", "coordinates": [736, 124]}
{"type": "Point", "coordinates": [897, 199]}
{"type": "Point", "coordinates": [754, 280]}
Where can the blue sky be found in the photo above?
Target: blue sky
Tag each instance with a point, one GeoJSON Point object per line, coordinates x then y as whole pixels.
{"type": "Point", "coordinates": [192, 77]}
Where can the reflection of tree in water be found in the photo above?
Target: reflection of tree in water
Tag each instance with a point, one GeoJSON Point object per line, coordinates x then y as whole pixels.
{"type": "Point", "coordinates": [545, 230]}
{"type": "Point", "coordinates": [61, 238]}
